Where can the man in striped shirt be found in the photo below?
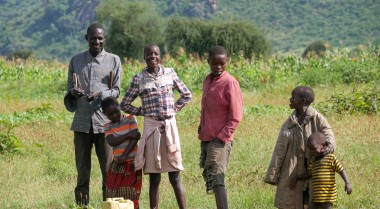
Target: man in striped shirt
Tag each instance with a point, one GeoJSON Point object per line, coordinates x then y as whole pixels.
{"type": "Point", "coordinates": [322, 172]}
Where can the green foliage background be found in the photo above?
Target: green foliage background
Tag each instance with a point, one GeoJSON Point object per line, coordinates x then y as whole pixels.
{"type": "Point", "coordinates": [55, 29]}
{"type": "Point", "coordinates": [197, 37]}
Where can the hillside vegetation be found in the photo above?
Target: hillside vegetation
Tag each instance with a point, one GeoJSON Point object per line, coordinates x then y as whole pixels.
{"type": "Point", "coordinates": [55, 29]}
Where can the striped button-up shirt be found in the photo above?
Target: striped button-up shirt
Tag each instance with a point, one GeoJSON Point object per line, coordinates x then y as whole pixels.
{"type": "Point", "coordinates": [93, 74]}
{"type": "Point", "coordinates": [156, 93]}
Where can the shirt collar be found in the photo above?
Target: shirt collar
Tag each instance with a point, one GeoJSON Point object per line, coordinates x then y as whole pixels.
{"type": "Point", "coordinates": [311, 112]}
{"type": "Point", "coordinates": [99, 58]}
{"type": "Point", "coordinates": [218, 76]}
{"type": "Point", "coordinates": [160, 71]}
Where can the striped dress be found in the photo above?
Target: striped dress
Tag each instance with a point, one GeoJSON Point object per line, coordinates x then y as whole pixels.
{"type": "Point", "coordinates": [122, 179]}
{"type": "Point", "coordinates": [322, 170]}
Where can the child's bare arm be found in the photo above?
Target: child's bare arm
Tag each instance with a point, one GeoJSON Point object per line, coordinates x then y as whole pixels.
{"type": "Point", "coordinates": [347, 186]}
{"type": "Point", "coordinates": [115, 141]}
{"type": "Point", "coordinates": [294, 180]}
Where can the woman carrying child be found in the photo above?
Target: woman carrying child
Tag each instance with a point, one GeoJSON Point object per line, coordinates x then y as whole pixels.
{"type": "Point", "coordinates": [291, 155]}
{"type": "Point", "coordinates": [122, 134]}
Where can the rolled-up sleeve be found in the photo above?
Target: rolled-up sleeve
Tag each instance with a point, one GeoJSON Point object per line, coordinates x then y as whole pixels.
{"type": "Point", "coordinates": [185, 94]}
{"type": "Point", "coordinates": [130, 96]}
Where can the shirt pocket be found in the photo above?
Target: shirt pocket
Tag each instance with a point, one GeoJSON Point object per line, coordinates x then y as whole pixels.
{"type": "Point", "coordinates": [146, 83]}
{"type": "Point", "coordinates": [101, 72]}
{"type": "Point", "coordinates": [165, 84]}
{"type": "Point", "coordinates": [147, 86]}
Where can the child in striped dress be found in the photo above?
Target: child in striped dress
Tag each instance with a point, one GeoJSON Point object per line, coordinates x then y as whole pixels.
{"type": "Point", "coordinates": [322, 172]}
{"type": "Point", "coordinates": [122, 134]}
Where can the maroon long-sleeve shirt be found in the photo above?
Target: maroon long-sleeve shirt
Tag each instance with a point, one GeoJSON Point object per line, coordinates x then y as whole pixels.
{"type": "Point", "coordinates": [222, 107]}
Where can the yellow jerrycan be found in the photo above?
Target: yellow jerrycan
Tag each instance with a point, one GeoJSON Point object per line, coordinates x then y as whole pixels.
{"type": "Point", "coordinates": [117, 203]}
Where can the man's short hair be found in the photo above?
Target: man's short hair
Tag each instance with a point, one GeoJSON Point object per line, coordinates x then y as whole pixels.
{"type": "Point", "coordinates": [305, 92]}
{"type": "Point", "coordinates": [216, 50]}
{"type": "Point", "coordinates": [107, 102]}
{"type": "Point", "coordinates": [94, 26]}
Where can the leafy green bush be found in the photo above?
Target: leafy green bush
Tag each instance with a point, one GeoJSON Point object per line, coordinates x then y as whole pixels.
{"type": "Point", "coordinates": [21, 54]}
{"type": "Point", "coordinates": [359, 70]}
{"type": "Point", "coordinates": [197, 36]}
{"type": "Point", "coordinates": [132, 26]}
{"type": "Point", "coordinates": [9, 143]}
{"type": "Point", "coordinates": [362, 100]}
{"type": "Point", "coordinates": [316, 49]}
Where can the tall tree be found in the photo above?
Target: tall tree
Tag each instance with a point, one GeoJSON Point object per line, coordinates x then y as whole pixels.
{"type": "Point", "coordinates": [131, 26]}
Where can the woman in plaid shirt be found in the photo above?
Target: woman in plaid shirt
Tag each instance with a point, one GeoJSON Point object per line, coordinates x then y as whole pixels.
{"type": "Point", "coordinates": [159, 150]}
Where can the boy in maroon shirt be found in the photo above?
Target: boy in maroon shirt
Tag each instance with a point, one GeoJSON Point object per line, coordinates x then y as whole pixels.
{"type": "Point", "coordinates": [222, 110]}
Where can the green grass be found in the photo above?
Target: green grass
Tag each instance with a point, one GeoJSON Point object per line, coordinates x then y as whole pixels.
{"type": "Point", "coordinates": [43, 175]}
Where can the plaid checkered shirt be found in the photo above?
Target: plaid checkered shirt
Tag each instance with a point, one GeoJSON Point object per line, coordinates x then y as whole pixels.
{"type": "Point", "coordinates": [156, 93]}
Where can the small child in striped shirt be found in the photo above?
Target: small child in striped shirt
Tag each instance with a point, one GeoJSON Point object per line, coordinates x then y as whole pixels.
{"type": "Point", "coordinates": [322, 170]}
{"type": "Point", "coordinates": [122, 134]}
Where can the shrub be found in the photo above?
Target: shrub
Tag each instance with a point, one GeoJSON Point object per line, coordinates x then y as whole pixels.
{"type": "Point", "coordinates": [21, 54]}
{"type": "Point", "coordinates": [132, 26]}
{"type": "Point", "coordinates": [361, 100]}
{"type": "Point", "coordinates": [9, 143]}
{"type": "Point", "coordinates": [316, 49]}
{"type": "Point", "coordinates": [197, 36]}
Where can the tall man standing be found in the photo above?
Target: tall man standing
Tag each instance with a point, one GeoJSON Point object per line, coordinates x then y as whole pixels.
{"type": "Point", "coordinates": [93, 75]}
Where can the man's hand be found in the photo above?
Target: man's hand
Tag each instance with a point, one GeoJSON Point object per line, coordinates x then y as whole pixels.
{"type": "Point", "coordinates": [93, 96]}
{"type": "Point", "coordinates": [77, 93]}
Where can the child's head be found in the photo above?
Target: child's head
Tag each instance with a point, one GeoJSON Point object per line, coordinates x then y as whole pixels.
{"type": "Point", "coordinates": [110, 108]}
{"type": "Point", "coordinates": [152, 56]}
{"type": "Point", "coordinates": [315, 143]}
{"type": "Point", "coordinates": [301, 96]}
{"type": "Point", "coordinates": [217, 59]}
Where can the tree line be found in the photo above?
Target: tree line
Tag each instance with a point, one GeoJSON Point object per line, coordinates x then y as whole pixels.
{"type": "Point", "coordinates": [132, 25]}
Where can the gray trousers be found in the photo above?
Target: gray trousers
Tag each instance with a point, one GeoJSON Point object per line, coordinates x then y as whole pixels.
{"type": "Point", "coordinates": [83, 146]}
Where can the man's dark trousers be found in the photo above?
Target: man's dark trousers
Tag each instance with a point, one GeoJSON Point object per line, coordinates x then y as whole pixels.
{"type": "Point", "coordinates": [83, 146]}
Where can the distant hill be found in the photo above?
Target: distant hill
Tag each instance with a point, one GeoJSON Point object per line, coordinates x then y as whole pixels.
{"type": "Point", "coordinates": [51, 29]}
{"type": "Point", "coordinates": [293, 24]}
{"type": "Point", "coordinates": [55, 29]}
